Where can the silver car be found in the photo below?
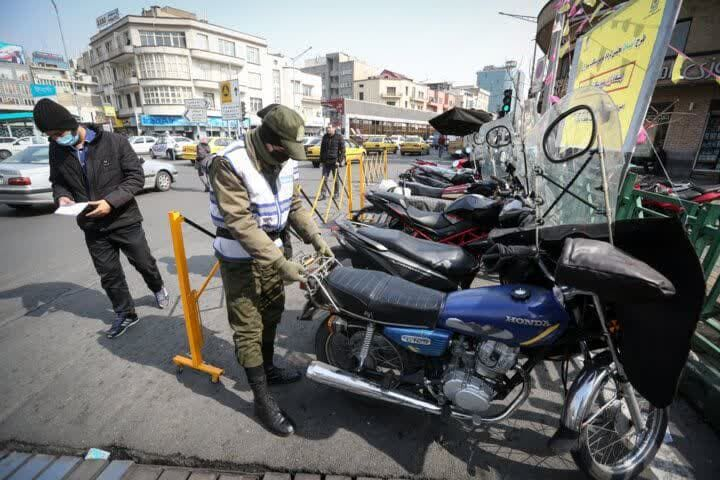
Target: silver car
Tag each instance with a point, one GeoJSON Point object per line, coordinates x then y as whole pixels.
{"type": "Point", "coordinates": [25, 177]}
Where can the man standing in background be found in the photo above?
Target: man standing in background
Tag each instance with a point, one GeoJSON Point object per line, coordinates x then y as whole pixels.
{"type": "Point", "coordinates": [332, 151]}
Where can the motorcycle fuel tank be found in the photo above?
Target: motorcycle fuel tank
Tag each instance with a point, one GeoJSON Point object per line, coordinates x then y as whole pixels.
{"type": "Point", "coordinates": [518, 315]}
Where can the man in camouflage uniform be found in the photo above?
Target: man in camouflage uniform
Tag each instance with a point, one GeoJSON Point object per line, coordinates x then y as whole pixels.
{"type": "Point", "coordinates": [253, 198]}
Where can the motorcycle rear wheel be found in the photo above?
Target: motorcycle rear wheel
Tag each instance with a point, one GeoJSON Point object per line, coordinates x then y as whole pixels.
{"type": "Point", "coordinates": [609, 447]}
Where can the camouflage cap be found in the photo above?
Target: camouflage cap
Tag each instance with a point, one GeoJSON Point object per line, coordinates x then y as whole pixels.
{"type": "Point", "coordinates": [288, 125]}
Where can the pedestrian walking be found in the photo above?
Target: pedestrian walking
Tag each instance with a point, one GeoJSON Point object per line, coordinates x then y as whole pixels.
{"type": "Point", "coordinates": [442, 145]}
{"type": "Point", "coordinates": [332, 152]}
{"type": "Point", "coordinates": [252, 201]}
{"type": "Point", "coordinates": [201, 157]}
{"type": "Point", "coordinates": [88, 164]}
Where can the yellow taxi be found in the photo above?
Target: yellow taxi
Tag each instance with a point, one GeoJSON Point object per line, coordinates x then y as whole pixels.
{"type": "Point", "coordinates": [414, 144]}
{"type": "Point", "coordinates": [353, 152]}
{"type": "Point", "coordinates": [378, 143]}
{"type": "Point", "coordinates": [216, 144]}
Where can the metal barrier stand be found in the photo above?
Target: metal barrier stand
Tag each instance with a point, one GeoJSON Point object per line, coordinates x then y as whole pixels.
{"type": "Point", "coordinates": [190, 298]}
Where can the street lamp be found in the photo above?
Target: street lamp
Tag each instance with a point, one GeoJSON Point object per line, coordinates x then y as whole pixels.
{"type": "Point", "coordinates": [72, 77]}
{"type": "Point", "coordinates": [292, 82]}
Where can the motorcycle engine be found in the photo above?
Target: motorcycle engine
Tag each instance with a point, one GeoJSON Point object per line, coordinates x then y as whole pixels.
{"type": "Point", "coordinates": [472, 387]}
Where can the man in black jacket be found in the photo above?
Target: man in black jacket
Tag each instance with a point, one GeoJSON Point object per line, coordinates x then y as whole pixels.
{"type": "Point", "coordinates": [100, 168]}
{"type": "Point", "coordinates": [332, 151]}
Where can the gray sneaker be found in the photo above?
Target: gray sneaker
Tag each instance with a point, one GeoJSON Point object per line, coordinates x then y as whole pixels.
{"type": "Point", "coordinates": [162, 298]}
{"type": "Point", "coordinates": [122, 322]}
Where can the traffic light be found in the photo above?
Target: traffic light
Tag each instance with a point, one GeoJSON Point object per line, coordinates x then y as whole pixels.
{"type": "Point", "coordinates": [506, 102]}
{"type": "Point", "coordinates": [242, 110]}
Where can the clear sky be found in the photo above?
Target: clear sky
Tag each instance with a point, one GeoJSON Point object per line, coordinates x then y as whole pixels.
{"type": "Point", "coordinates": [423, 39]}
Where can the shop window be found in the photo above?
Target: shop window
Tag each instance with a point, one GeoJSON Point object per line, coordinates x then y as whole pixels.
{"type": "Point", "coordinates": [709, 152]}
{"type": "Point", "coordinates": [362, 96]}
{"type": "Point", "coordinates": [679, 37]}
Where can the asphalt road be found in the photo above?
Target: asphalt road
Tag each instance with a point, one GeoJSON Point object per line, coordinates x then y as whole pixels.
{"type": "Point", "coordinates": [62, 383]}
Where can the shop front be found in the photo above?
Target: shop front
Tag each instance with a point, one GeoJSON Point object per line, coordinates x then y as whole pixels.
{"type": "Point", "coordinates": [178, 125]}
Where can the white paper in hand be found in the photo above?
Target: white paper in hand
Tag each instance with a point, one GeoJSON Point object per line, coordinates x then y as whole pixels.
{"type": "Point", "coordinates": [71, 210]}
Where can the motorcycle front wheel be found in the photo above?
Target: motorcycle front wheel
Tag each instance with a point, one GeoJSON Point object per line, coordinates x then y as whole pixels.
{"type": "Point", "coordinates": [610, 447]}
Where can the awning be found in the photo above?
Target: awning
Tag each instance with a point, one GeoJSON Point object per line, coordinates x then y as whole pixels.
{"type": "Point", "coordinates": [16, 116]}
{"type": "Point", "coordinates": [460, 121]}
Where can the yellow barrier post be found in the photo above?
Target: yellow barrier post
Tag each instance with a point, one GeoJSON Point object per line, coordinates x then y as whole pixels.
{"type": "Point", "coordinates": [317, 195]}
{"type": "Point", "coordinates": [348, 182]}
{"type": "Point", "coordinates": [361, 163]}
{"type": "Point", "coordinates": [332, 195]}
{"type": "Point", "coordinates": [385, 162]}
{"type": "Point", "coordinates": [191, 310]}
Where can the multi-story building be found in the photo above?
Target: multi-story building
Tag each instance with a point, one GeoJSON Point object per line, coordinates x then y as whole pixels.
{"type": "Point", "coordinates": [497, 79]}
{"type": "Point", "coordinates": [442, 97]}
{"type": "Point", "coordinates": [473, 97]}
{"type": "Point", "coordinates": [338, 72]}
{"type": "Point", "coordinates": [16, 102]}
{"type": "Point", "coordinates": [392, 89]}
{"type": "Point", "coordinates": [298, 90]}
{"type": "Point", "coordinates": [147, 65]}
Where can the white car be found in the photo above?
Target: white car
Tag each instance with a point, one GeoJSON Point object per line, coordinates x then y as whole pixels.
{"type": "Point", "coordinates": [24, 177]}
{"type": "Point", "coordinates": [142, 144]}
{"type": "Point", "coordinates": [170, 147]}
{"type": "Point", "coordinates": [20, 144]}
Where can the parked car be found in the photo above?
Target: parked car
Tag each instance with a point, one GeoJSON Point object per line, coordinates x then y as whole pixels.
{"type": "Point", "coordinates": [216, 144]}
{"type": "Point", "coordinates": [25, 177]}
{"type": "Point", "coordinates": [397, 139]}
{"type": "Point", "coordinates": [311, 140]}
{"type": "Point", "coordinates": [142, 144]}
{"type": "Point", "coordinates": [414, 144]}
{"type": "Point", "coordinates": [5, 140]}
{"type": "Point", "coordinates": [379, 143]}
{"type": "Point", "coordinates": [353, 152]}
{"type": "Point", "coordinates": [20, 144]}
{"type": "Point", "coordinates": [169, 147]}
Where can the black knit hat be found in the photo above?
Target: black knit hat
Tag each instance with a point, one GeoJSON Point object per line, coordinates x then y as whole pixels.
{"type": "Point", "coordinates": [49, 115]}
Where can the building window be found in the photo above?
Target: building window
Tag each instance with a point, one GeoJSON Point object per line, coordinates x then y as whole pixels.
{"type": "Point", "coordinates": [361, 85]}
{"type": "Point", "coordinates": [421, 95]}
{"type": "Point", "coordinates": [108, 49]}
{"type": "Point", "coordinates": [254, 80]}
{"type": "Point", "coordinates": [226, 47]}
{"type": "Point", "coordinates": [391, 91]}
{"type": "Point", "coordinates": [276, 85]}
{"type": "Point", "coordinates": [307, 90]}
{"type": "Point", "coordinates": [129, 102]}
{"type": "Point", "coordinates": [202, 41]}
{"type": "Point", "coordinates": [162, 39]}
{"type": "Point", "coordinates": [362, 96]}
{"type": "Point", "coordinates": [392, 104]}
{"type": "Point", "coordinates": [679, 37]}
{"type": "Point", "coordinates": [405, 103]}
{"type": "Point", "coordinates": [157, 65]}
{"type": "Point", "coordinates": [118, 99]}
{"type": "Point", "coordinates": [210, 99]}
{"type": "Point", "coordinates": [297, 89]}
{"type": "Point", "coordinates": [126, 37]}
{"type": "Point", "coordinates": [137, 99]}
{"type": "Point", "coordinates": [253, 55]}
{"type": "Point", "coordinates": [255, 104]}
{"type": "Point", "coordinates": [167, 95]}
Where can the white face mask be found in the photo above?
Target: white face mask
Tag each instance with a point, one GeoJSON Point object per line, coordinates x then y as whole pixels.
{"type": "Point", "coordinates": [68, 139]}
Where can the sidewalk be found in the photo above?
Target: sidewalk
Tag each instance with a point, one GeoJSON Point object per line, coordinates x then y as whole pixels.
{"type": "Point", "coordinates": [28, 466]}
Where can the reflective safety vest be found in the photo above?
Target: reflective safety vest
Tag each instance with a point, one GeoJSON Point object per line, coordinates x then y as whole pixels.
{"type": "Point", "coordinates": [269, 204]}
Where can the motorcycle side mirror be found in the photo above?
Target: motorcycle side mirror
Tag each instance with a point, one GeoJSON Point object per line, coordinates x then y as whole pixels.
{"type": "Point", "coordinates": [498, 137]}
{"type": "Point", "coordinates": [570, 135]}
{"type": "Point", "coordinates": [468, 150]}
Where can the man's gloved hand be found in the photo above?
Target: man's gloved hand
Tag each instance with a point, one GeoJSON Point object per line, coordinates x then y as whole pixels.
{"type": "Point", "coordinates": [290, 271]}
{"type": "Point", "coordinates": [321, 247]}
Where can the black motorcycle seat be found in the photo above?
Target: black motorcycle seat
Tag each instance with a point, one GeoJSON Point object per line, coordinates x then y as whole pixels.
{"type": "Point", "coordinates": [422, 203]}
{"type": "Point", "coordinates": [449, 260]}
{"type": "Point", "coordinates": [431, 220]}
{"type": "Point", "coordinates": [382, 297]}
{"type": "Point", "coordinates": [423, 190]}
{"type": "Point", "coordinates": [707, 188]}
{"type": "Point", "coordinates": [598, 267]}
{"type": "Point", "coordinates": [390, 197]}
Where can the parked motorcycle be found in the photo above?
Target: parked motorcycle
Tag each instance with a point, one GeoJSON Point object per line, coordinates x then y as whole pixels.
{"type": "Point", "coordinates": [683, 191]}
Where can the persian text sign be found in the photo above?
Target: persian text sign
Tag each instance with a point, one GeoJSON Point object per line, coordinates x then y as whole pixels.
{"type": "Point", "coordinates": [623, 55]}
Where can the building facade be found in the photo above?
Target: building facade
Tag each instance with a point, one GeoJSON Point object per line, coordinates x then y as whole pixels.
{"type": "Point", "coordinates": [442, 97]}
{"type": "Point", "coordinates": [474, 97]}
{"type": "Point", "coordinates": [16, 102]}
{"type": "Point", "coordinates": [683, 121]}
{"type": "Point", "coordinates": [392, 89]}
{"type": "Point", "coordinates": [147, 66]}
{"type": "Point", "coordinates": [338, 72]}
{"type": "Point", "coordinates": [496, 79]}
{"type": "Point", "coordinates": [298, 90]}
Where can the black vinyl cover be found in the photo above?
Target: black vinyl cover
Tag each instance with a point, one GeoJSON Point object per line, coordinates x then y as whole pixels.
{"type": "Point", "coordinates": [598, 267]}
{"type": "Point", "coordinates": [382, 297]}
{"type": "Point", "coordinates": [423, 190]}
{"type": "Point", "coordinates": [460, 121]}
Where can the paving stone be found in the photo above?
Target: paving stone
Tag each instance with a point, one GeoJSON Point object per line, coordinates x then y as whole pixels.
{"type": "Point", "coordinates": [203, 476]}
{"type": "Point", "coordinates": [115, 470]}
{"type": "Point", "coordinates": [239, 477]}
{"type": "Point", "coordinates": [143, 472]}
{"type": "Point", "coordinates": [276, 476]}
{"type": "Point", "coordinates": [306, 476]}
{"type": "Point", "coordinates": [87, 470]}
{"type": "Point", "coordinates": [59, 468]}
{"type": "Point", "coordinates": [11, 463]}
{"type": "Point", "coordinates": [336, 477]}
{"type": "Point", "coordinates": [174, 474]}
{"type": "Point", "coordinates": [31, 468]}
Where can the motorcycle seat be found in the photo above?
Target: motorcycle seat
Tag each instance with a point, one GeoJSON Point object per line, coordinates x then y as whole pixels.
{"type": "Point", "coordinates": [449, 260]}
{"type": "Point", "coordinates": [613, 275]}
{"type": "Point", "coordinates": [423, 190]}
{"type": "Point", "coordinates": [431, 220]}
{"type": "Point", "coordinates": [708, 188]}
{"type": "Point", "coordinates": [382, 297]}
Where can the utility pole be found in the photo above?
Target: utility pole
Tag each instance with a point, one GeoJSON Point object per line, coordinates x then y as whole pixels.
{"type": "Point", "coordinates": [292, 82]}
{"type": "Point", "coordinates": [67, 57]}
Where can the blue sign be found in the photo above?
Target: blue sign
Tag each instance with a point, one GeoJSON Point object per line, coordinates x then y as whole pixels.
{"type": "Point", "coordinates": [39, 90]}
{"type": "Point", "coordinates": [176, 121]}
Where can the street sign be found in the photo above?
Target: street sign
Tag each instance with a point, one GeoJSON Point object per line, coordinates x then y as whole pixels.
{"type": "Point", "coordinates": [230, 100]}
{"type": "Point", "coordinates": [230, 111]}
{"type": "Point", "coordinates": [196, 110]}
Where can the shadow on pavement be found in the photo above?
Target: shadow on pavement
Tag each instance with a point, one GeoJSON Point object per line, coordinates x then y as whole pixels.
{"type": "Point", "coordinates": [41, 298]}
{"type": "Point", "coordinates": [197, 264]}
{"type": "Point", "coordinates": [30, 211]}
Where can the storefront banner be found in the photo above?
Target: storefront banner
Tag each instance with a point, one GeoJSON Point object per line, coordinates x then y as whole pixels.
{"type": "Point", "coordinates": [10, 53]}
{"type": "Point", "coordinates": [176, 121]}
{"type": "Point", "coordinates": [39, 91]}
{"type": "Point", "coordinates": [623, 55]}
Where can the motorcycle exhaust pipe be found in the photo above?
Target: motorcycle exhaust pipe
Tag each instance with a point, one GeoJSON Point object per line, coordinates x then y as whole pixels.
{"type": "Point", "coordinates": [334, 377]}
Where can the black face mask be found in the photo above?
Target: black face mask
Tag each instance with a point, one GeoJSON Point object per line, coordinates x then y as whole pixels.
{"type": "Point", "coordinates": [280, 157]}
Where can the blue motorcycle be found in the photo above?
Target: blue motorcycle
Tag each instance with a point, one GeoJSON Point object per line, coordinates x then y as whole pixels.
{"type": "Point", "coordinates": [469, 354]}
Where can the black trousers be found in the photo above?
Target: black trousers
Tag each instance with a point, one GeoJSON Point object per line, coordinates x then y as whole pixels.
{"type": "Point", "coordinates": [105, 247]}
{"type": "Point", "coordinates": [329, 171]}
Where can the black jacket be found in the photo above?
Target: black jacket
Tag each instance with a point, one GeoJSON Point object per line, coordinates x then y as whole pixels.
{"type": "Point", "coordinates": [114, 173]}
{"type": "Point", "coordinates": [332, 148]}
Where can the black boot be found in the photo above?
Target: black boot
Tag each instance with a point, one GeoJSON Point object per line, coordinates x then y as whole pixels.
{"type": "Point", "coordinates": [276, 375]}
{"type": "Point", "coordinates": [266, 408]}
